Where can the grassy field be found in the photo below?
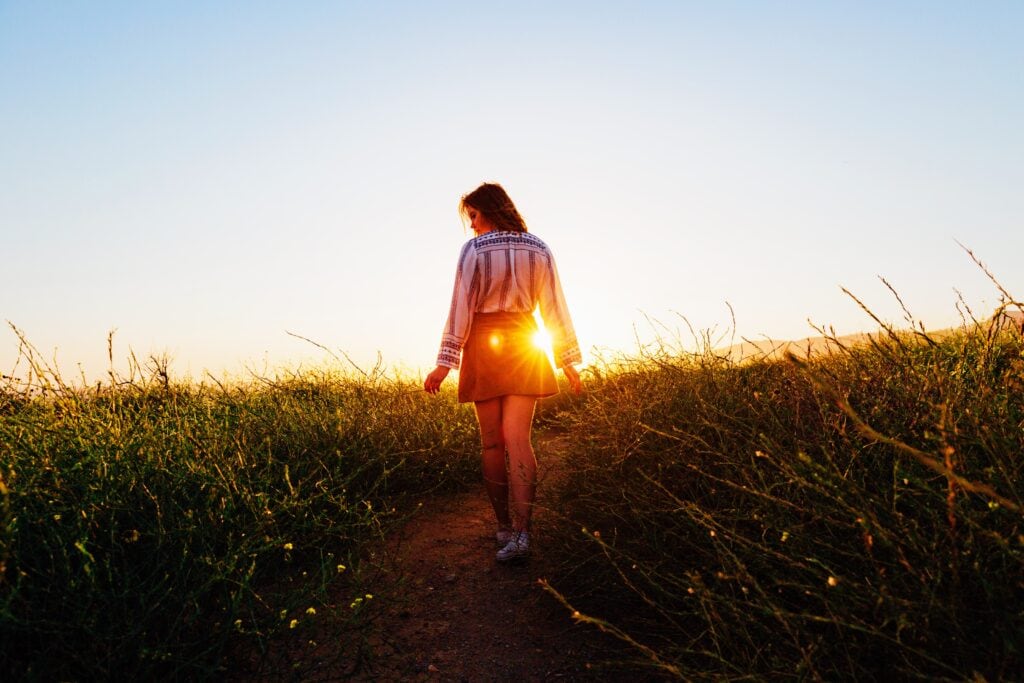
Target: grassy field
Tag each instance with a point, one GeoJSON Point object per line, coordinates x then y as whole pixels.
{"type": "Point", "coordinates": [856, 515]}
{"type": "Point", "coordinates": [149, 528]}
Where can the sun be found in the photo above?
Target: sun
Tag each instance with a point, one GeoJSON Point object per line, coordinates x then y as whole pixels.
{"type": "Point", "coordinates": [542, 340]}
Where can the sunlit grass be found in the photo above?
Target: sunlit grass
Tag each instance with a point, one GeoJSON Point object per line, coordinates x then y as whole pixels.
{"type": "Point", "coordinates": [156, 529]}
{"type": "Point", "coordinates": [854, 516]}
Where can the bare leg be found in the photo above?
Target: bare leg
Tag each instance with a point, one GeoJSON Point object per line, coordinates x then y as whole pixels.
{"type": "Point", "coordinates": [488, 414]}
{"type": "Point", "coordinates": [516, 421]}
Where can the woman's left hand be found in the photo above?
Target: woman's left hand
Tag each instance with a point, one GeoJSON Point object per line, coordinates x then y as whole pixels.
{"type": "Point", "coordinates": [574, 379]}
{"type": "Point", "coordinates": [434, 379]}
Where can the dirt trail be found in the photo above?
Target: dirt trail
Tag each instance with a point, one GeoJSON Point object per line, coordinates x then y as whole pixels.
{"type": "Point", "coordinates": [453, 613]}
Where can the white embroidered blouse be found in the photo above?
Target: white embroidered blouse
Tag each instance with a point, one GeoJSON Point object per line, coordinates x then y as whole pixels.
{"type": "Point", "coordinates": [506, 271]}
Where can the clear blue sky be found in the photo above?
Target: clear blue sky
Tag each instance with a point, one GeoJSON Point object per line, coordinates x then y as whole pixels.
{"type": "Point", "coordinates": [202, 177]}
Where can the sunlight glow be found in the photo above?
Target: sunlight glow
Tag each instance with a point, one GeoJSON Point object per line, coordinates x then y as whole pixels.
{"type": "Point", "coordinates": [773, 156]}
{"type": "Point", "coordinates": [542, 340]}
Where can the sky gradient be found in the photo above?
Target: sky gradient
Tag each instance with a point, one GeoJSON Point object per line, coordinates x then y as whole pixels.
{"type": "Point", "coordinates": [204, 178]}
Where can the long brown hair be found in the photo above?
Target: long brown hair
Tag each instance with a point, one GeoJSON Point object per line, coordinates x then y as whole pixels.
{"type": "Point", "coordinates": [491, 200]}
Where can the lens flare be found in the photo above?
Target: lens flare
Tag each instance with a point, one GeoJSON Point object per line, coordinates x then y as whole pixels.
{"type": "Point", "coordinates": [542, 340]}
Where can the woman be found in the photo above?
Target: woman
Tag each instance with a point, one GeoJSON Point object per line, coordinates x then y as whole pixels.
{"type": "Point", "coordinates": [503, 275]}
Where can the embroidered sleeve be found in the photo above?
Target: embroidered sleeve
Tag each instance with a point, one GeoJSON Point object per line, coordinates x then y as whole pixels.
{"type": "Point", "coordinates": [555, 313]}
{"type": "Point", "coordinates": [460, 314]}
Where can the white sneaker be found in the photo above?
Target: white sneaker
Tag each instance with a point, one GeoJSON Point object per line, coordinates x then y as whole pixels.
{"type": "Point", "coordinates": [518, 546]}
{"type": "Point", "coordinates": [503, 536]}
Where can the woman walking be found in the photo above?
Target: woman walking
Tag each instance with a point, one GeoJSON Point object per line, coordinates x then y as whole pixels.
{"type": "Point", "coordinates": [504, 273]}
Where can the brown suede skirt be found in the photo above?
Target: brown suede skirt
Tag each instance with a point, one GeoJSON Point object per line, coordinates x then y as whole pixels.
{"type": "Point", "coordinates": [500, 358]}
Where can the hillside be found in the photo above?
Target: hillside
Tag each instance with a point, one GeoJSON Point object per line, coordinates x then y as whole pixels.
{"type": "Point", "coordinates": [774, 349]}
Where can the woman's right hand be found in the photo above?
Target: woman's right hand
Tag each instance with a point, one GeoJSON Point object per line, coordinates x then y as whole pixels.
{"type": "Point", "coordinates": [433, 382]}
{"type": "Point", "coordinates": [574, 379]}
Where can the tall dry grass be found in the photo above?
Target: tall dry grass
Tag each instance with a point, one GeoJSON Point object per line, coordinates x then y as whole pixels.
{"type": "Point", "coordinates": [151, 528]}
{"type": "Point", "coordinates": [858, 515]}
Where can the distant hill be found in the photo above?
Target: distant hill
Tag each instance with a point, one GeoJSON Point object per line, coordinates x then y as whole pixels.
{"type": "Point", "coordinates": [1011, 317]}
{"type": "Point", "coordinates": [773, 349]}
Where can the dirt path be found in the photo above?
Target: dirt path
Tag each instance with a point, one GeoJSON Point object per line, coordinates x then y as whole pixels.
{"type": "Point", "coordinates": [448, 611]}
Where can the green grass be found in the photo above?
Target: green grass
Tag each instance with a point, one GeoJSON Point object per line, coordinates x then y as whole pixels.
{"type": "Point", "coordinates": [153, 529]}
{"type": "Point", "coordinates": [855, 516]}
